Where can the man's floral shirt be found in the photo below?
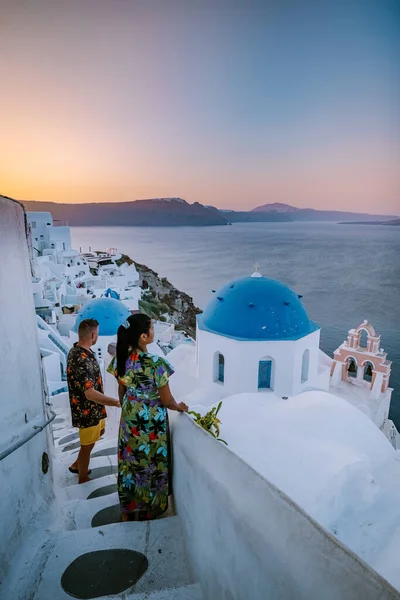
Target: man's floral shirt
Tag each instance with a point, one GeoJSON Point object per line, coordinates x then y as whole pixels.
{"type": "Point", "coordinates": [83, 373]}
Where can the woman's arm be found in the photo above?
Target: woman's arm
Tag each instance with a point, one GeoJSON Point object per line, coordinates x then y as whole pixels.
{"type": "Point", "coordinates": [121, 391]}
{"type": "Point", "coordinates": [169, 401]}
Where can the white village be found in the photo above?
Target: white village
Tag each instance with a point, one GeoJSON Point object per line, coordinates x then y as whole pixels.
{"type": "Point", "coordinates": [301, 502]}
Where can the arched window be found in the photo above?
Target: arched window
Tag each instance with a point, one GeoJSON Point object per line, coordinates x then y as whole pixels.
{"type": "Point", "coordinates": [305, 366]}
{"type": "Point", "coordinates": [368, 371]}
{"type": "Point", "coordinates": [352, 368]}
{"type": "Point", "coordinates": [363, 339]}
{"type": "Point", "coordinates": [219, 367]}
{"type": "Point", "coordinates": [265, 373]}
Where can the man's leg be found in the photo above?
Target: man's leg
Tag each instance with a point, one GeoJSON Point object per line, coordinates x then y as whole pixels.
{"type": "Point", "coordinates": [83, 462]}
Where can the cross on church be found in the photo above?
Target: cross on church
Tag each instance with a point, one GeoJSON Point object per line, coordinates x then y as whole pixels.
{"type": "Point", "coordinates": [257, 271]}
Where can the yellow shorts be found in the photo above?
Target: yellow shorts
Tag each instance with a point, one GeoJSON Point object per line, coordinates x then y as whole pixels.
{"type": "Point", "coordinates": [91, 435]}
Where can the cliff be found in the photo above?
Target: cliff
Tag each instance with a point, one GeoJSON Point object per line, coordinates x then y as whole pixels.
{"type": "Point", "coordinates": [156, 212]}
{"type": "Point", "coordinates": [162, 298]}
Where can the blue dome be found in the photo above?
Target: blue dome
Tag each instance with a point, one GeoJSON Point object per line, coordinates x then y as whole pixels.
{"type": "Point", "coordinates": [110, 314]}
{"type": "Point", "coordinates": [256, 308]}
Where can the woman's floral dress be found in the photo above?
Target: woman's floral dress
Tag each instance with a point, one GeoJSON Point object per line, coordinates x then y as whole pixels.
{"type": "Point", "coordinates": [143, 441]}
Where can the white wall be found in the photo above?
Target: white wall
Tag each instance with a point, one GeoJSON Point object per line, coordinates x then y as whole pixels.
{"type": "Point", "coordinates": [222, 503]}
{"type": "Point", "coordinates": [242, 361]}
{"type": "Point", "coordinates": [40, 223]}
{"type": "Point", "coordinates": [51, 364]}
{"type": "Point", "coordinates": [61, 237]}
{"type": "Point", "coordinates": [25, 490]}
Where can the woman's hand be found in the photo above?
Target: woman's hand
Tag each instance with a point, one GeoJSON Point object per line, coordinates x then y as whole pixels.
{"type": "Point", "coordinates": [169, 401]}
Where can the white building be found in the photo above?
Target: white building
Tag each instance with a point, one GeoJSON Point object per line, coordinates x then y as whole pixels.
{"type": "Point", "coordinates": [255, 335]}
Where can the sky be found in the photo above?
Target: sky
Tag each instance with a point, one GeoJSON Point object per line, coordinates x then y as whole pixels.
{"type": "Point", "coordinates": [233, 103]}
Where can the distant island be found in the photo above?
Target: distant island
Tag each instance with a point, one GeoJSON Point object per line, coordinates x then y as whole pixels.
{"type": "Point", "coordinates": [176, 212]}
{"type": "Point", "coordinates": [312, 214]}
{"type": "Point", "coordinates": [395, 222]}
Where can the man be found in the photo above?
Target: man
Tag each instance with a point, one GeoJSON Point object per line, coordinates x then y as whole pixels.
{"type": "Point", "coordinates": [86, 395]}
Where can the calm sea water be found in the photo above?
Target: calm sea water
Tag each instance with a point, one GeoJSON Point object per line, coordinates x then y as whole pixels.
{"type": "Point", "coordinates": [345, 273]}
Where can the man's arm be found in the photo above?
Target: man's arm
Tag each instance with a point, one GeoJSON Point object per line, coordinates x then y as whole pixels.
{"type": "Point", "coordinates": [100, 398]}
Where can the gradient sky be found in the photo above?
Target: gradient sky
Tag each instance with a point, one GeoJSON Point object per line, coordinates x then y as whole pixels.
{"type": "Point", "coordinates": [234, 103]}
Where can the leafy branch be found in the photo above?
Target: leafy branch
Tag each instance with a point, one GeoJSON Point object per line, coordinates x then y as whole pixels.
{"type": "Point", "coordinates": [209, 422]}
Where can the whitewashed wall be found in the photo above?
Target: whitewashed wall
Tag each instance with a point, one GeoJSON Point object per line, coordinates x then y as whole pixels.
{"type": "Point", "coordinates": [24, 489]}
{"type": "Point", "coordinates": [248, 541]}
{"type": "Point", "coordinates": [242, 360]}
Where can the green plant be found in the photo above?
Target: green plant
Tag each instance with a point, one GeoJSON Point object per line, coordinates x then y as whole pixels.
{"type": "Point", "coordinates": [209, 422]}
{"type": "Point", "coordinates": [149, 308]}
{"type": "Point", "coordinates": [163, 308]}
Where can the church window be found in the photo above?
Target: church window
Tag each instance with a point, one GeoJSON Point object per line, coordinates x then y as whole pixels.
{"type": "Point", "coordinates": [219, 367]}
{"type": "Point", "coordinates": [305, 366]}
{"type": "Point", "coordinates": [264, 374]}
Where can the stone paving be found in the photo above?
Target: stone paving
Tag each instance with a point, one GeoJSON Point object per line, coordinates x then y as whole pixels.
{"type": "Point", "coordinates": [88, 552]}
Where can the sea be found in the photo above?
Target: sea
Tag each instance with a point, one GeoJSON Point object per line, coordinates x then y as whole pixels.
{"type": "Point", "coordinates": [346, 273]}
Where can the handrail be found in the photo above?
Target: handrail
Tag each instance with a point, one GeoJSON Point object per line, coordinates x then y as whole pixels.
{"type": "Point", "coordinates": [36, 429]}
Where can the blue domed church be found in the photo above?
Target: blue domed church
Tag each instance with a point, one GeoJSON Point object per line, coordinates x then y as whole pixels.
{"type": "Point", "coordinates": [255, 335]}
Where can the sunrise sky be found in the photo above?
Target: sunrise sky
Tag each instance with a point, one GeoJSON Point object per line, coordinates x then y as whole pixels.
{"type": "Point", "coordinates": [234, 103]}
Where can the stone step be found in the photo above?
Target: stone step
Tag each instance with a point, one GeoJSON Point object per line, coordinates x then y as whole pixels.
{"type": "Point", "coordinates": [95, 552]}
{"type": "Point", "coordinates": [188, 592]}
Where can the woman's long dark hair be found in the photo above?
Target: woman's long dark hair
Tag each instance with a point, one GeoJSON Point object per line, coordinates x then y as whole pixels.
{"type": "Point", "coordinates": [128, 338]}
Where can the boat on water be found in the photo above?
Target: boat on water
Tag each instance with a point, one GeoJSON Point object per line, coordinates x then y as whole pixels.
{"type": "Point", "coordinates": [303, 500]}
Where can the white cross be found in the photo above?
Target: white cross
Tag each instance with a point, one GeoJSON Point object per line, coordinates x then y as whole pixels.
{"type": "Point", "coordinates": [257, 271]}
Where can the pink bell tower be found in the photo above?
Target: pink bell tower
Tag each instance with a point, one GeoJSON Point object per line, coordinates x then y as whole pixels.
{"type": "Point", "coordinates": [361, 361]}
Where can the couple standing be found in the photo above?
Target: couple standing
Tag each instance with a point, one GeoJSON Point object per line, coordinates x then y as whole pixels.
{"type": "Point", "coordinates": [144, 458]}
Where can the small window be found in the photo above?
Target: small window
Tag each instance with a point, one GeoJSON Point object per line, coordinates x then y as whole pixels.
{"type": "Point", "coordinates": [33, 224]}
{"type": "Point", "coordinates": [352, 368]}
{"type": "Point", "coordinates": [219, 367]}
{"type": "Point", "coordinates": [264, 374]}
{"type": "Point", "coordinates": [305, 366]}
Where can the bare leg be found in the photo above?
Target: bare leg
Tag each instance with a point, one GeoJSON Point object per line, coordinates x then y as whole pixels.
{"type": "Point", "coordinates": [83, 462]}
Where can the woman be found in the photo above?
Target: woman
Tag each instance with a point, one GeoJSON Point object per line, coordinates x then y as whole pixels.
{"type": "Point", "coordinates": [143, 442]}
